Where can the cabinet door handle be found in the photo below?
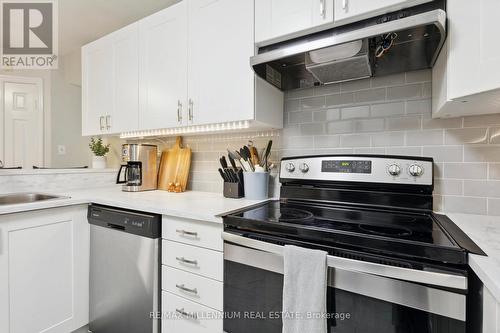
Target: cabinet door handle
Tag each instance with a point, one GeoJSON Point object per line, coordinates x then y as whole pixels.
{"type": "Point", "coordinates": [108, 122]}
{"type": "Point", "coordinates": [322, 8]}
{"type": "Point", "coordinates": [182, 312]}
{"type": "Point", "coordinates": [190, 109]}
{"type": "Point", "coordinates": [183, 288]}
{"type": "Point", "coordinates": [179, 111]}
{"type": "Point", "coordinates": [187, 233]}
{"type": "Point", "coordinates": [101, 119]}
{"type": "Point", "coordinates": [345, 3]}
{"type": "Point", "coordinates": [187, 261]}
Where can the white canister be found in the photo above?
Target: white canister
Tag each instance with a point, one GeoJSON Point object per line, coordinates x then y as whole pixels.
{"type": "Point", "coordinates": [256, 185]}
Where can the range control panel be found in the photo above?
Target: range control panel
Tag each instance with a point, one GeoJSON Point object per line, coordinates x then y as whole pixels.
{"type": "Point", "coordinates": [349, 168]}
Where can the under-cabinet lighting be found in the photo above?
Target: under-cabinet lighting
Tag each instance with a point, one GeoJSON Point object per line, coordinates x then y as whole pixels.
{"type": "Point", "coordinates": [211, 128]}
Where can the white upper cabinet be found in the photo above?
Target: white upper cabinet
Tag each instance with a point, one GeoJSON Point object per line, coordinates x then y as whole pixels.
{"type": "Point", "coordinates": [163, 68]}
{"type": "Point", "coordinates": [110, 68]}
{"type": "Point", "coordinates": [221, 81]}
{"type": "Point", "coordinates": [354, 10]}
{"type": "Point", "coordinates": [125, 111]}
{"type": "Point", "coordinates": [278, 18]}
{"type": "Point", "coordinates": [474, 27]}
{"type": "Point", "coordinates": [183, 66]}
{"type": "Point", "coordinates": [97, 86]}
{"type": "Point", "coordinates": [466, 77]}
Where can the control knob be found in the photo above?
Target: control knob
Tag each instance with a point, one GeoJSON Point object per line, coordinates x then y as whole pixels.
{"type": "Point", "coordinates": [290, 167]}
{"type": "Point", "coordinates": [416, 170]}
{"type": "Point", "coordinates": [304, 167]}
{"type": "Point", "coordinates": [394, 170]}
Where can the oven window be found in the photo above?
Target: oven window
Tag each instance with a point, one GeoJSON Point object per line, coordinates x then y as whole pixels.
{"type": "Point", "coordinates": [253, 302]}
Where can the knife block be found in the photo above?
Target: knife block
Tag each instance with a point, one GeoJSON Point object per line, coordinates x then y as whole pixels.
{"type": "Point", "coordinates": [233, 190]}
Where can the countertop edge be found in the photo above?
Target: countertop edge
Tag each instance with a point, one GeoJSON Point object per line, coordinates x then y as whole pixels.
{"type": "Point", "coordinates": [72, 198]}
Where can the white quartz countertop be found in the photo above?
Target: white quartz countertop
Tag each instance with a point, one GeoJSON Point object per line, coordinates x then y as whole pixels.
{"type": "Point", "coordinates": [485, 232]}
{"type": "Point", "coordinates": [191, 204]}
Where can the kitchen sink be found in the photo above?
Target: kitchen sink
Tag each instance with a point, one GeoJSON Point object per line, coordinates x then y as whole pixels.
{"type": "Point", "coordinates": [21, 198]}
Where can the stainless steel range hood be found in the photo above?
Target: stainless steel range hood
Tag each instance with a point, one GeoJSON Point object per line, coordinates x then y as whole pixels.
{"type": "Point", "coordinates": [348, 52]}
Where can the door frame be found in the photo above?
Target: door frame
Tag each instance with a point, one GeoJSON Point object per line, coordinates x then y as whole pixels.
{"type": "Point", "coordinates": [42, 135]}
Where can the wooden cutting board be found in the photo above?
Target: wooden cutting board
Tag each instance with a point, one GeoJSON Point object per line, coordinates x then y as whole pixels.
{"type": "Point", "coordinates": [174, 166]}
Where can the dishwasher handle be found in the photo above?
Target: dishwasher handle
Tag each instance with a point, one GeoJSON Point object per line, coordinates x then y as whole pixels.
{"type": "Point", "coordinates": [116, 226]}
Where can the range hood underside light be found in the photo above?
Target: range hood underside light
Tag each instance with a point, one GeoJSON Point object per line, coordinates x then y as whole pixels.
{"type": "Point", "coordinates": [288, 65]}
{"type": "Point", "coordinates": [336, 64]}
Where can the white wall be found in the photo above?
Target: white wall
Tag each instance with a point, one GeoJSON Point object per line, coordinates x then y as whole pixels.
{"type": "Point", "coordinates": [66, 116]}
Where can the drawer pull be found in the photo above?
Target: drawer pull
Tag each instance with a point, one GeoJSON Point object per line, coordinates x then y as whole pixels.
{"type": "Point", "coordinates": [183, 288]}
{"type": "Point", "coordinates": [187, 233]}
{"type": "Point", "coordinates": [185, 314]}
{"type": "Point", "coordinates": [187, 261]}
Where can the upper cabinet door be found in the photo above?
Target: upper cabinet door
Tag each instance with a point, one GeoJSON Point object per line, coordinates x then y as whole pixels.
{"type": "Point", "coordinates": [125, 113]}
{"type": "Point", "coordinates": [97, 86]}
{"type": "Point", "coordinates": [163, 68]}
{"type": "Point", "coordinates": [277, 18]}
{"type": "Point", "coordinates": [221, 81]}
{"type": "Point", "coordinates": [353, 10]}
{"type": "Point", "coordinates": [474, 51]}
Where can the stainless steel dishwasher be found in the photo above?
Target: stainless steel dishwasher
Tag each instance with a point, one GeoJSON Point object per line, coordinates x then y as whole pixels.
{"type": "Point", "coordinates": [125, 263]}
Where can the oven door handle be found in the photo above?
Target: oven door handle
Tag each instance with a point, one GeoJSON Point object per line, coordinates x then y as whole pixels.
{"type": "Point", "coordinates": [405, 274]}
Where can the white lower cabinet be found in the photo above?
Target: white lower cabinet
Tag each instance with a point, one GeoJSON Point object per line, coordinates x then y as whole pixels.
{"type": "Point", "coordinates": [186, 316]}
{"type": "Point", "coordinates": [192, 276]}
{"type": "Point", "coordinates": [193, 259]}
{"type": "Point", "coordinates": [196, 288]}
{"type": "Point", "coordinates": [491, 313]}
{"type": "Point", "coordinates": [44, 262]}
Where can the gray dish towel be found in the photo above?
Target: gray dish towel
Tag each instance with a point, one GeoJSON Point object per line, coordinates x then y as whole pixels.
{"type": "Point", "coordinates": [304, 290]}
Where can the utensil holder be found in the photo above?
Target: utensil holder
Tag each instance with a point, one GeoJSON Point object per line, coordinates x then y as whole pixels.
{"type": "Point", "coordinates": [256, 185]}
{"type": "Point", "coordinates": [233, 190]}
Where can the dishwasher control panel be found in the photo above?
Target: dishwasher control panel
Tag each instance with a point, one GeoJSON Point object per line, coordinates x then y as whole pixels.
{"type": "Point", "coordinates": [129, 221]}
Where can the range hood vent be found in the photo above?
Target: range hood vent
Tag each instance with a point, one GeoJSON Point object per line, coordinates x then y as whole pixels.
{"type": "Point", "coordinates": [413, 38]}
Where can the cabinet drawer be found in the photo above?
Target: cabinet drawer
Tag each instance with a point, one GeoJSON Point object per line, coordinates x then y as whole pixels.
{"type": "Point", "coordinates": [199, 233]}
{"type": "Point", "coordinates": [193, 287]}
{"type": "Point", "coordinates": [197, 318]}
{"type": "Point", "coordinates": [193, 259]}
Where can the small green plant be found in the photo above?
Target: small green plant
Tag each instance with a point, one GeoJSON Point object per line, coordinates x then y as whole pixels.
{"type": "Point", "coordinates": [97, 147]}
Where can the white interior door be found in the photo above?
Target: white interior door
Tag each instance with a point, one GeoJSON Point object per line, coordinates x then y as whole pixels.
{"type": "Point", "coordinates": [23, 125]}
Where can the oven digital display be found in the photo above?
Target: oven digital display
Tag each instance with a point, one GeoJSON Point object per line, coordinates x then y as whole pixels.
{"type": "Point", "coordinates": [347, 166]}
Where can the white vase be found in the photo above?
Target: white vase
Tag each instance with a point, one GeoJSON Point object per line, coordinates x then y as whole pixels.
{"type": "Point", "coordinates": [99, 162]}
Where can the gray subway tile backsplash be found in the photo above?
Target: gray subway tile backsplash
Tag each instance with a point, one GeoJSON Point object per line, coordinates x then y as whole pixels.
{"type": "Point", "coordinates": [387, 115]}
{"type": "Point", "coordinates": [362, 111]}
{"type": "Point", "coordinates": [466, 136]}
{"type": "Point", "coordinates": [419, 106]}
{"type": "Point", "coordinates": [405, 91]}
{"type": "Point", "coordinates": [424, 138]}
{"type": "Point", "coordinates": [388, 109]}
{"type": "Point", "coordinates": [404, 123]}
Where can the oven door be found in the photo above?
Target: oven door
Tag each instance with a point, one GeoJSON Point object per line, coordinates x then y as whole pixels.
{"type": "Point", "coordinates": [362, 297]}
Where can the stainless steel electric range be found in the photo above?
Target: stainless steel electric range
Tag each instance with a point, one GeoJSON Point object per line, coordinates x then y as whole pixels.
{"type": "Point", "coordinates": [395, 266]}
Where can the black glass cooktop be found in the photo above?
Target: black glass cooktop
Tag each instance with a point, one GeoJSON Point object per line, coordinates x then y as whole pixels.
{"type": "Point", "coordinates": [403, 233]}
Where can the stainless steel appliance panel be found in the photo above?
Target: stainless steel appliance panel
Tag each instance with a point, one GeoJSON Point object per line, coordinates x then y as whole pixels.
{"type": "Point", "coordinates": [124, 279]}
